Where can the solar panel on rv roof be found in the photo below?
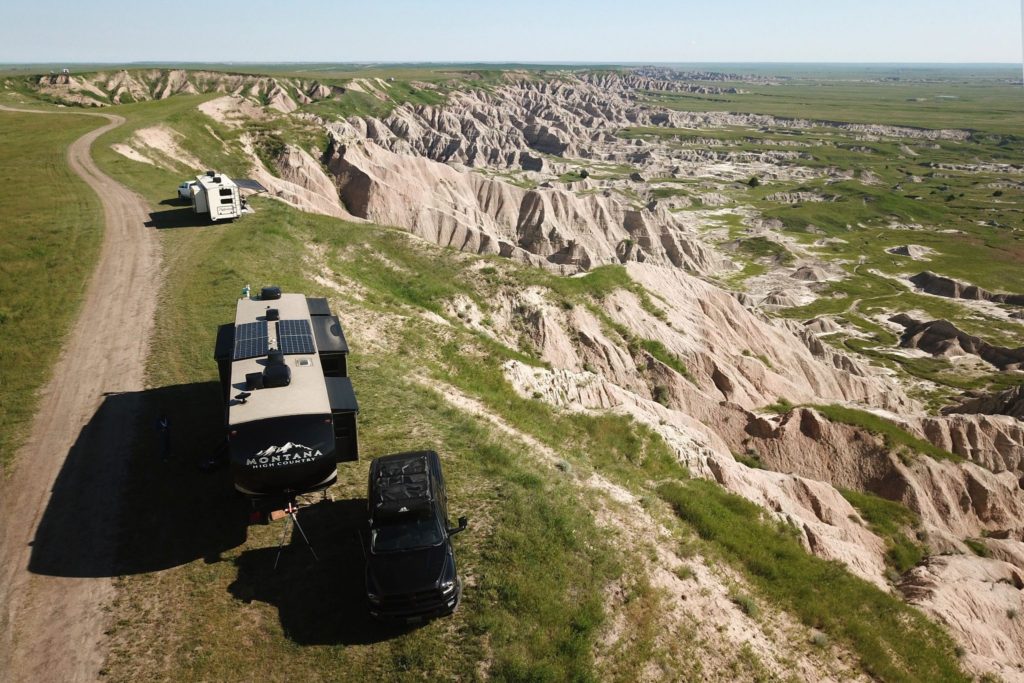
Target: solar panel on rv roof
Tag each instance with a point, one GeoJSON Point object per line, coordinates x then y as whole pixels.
{"type": "Point", "coordinates": [295, 336]}
{"type": "Point", "coordinates": [250, 340]}
{"type": "Point", "coordinates": [250, 184]}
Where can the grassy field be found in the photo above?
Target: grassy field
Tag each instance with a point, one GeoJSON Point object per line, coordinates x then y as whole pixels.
{"type": "Point", "coordinates": [895, 196]}
{"type": "Point", "coordinates": [49, 246]}
{"type": "Point", "coordinates": [354, 103]}
{"type": "Point", "coordinates": [896, 438]}
{"type": "Point", "coordinates": [975, 106]}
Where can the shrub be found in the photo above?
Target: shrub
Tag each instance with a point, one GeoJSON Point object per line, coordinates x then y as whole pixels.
{"type": "Point", "coordinates": [750, 459]}
{"type": "Point", "coordinates": [978, 547]}
{"type": "Point", "coordinates": [747, 604]}
{"type": "Point", "coordinates": [684, 572]}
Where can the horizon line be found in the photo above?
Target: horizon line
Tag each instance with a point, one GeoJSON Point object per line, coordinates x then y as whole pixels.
{"type": "Point", "coordinates": [1013, 64]}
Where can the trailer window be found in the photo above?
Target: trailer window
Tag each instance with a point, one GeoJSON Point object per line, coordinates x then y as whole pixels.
{"type": "Point", "coordinates": [226, 192]}
{"type": "Point", "coordinates": [227, 200]}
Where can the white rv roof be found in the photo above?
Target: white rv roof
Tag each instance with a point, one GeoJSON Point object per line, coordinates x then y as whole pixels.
{"type": "Point", "coordinates": [215, 181]}
{"type": "Point", "coordinates": [307, 392]}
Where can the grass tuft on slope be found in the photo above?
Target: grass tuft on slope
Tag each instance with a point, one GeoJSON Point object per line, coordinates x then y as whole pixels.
{"type": "Point", "coordinates": [889, 520]}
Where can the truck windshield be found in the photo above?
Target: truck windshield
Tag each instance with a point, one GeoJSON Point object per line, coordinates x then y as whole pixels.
{"type": "Point", "coordinates": [406, 534]}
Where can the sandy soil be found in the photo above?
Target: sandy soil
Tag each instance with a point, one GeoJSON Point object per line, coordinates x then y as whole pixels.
{"type": "Point", "coordinates": [164, 140]}
{"type": "Point", "coordinates": [52, 626]}
{"type": "Point", "coordinates": [132, 153]}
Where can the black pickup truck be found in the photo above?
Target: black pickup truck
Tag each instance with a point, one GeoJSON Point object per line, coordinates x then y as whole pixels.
{"type": "Point", "coordinates": [410, 569]}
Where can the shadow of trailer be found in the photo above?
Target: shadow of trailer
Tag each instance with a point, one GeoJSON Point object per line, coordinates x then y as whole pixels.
{"type": "Point", "coordinates": [131, 499]}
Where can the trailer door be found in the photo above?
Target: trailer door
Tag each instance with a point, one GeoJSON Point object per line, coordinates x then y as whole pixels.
{"type": "Point", "coordinates": [199, 203]}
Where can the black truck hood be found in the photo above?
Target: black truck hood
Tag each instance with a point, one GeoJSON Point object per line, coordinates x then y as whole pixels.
{"type": "Point", "coordinates": [411, 571]}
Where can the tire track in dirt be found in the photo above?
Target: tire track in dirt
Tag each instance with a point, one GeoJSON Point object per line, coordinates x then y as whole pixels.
{"type": "Point", "coordinates": [52, 626]}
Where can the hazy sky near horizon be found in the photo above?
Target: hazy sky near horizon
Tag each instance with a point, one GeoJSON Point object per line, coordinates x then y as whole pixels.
{"type": "Point", "coordinates": [524, 31]}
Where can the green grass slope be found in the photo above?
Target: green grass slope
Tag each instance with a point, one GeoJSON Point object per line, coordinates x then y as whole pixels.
{"type": "Point", "coordinates": [51, 234]}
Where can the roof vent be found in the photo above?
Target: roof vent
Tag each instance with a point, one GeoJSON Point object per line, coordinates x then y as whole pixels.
{"type": "Point", "coordinates": [275, 375]}
{"type": "Point", "coordinates": [275, 357]}
{"type": "Point", "coordinates": [211, 173]}
{"type": "Point", "coordinates": [270, 293]}
{"type": "Point", "coordinates": [273, 314]}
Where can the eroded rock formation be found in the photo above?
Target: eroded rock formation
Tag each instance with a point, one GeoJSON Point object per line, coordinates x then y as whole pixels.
{"type": "Point", "coordinates": [948, 287]}
{"type": "Point", "coordinates": [468, 211]}
{"type": "Point", "coordinates": [943, 338]}
{"type": "Point", "coordinates": [105, 88]}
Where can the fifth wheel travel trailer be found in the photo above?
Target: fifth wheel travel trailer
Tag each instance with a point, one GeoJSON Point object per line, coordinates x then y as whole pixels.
{"type": "Point", "coordinates": [290, 411]}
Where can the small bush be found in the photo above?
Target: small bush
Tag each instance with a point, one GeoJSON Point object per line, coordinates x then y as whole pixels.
{"type": "Point", "coordinates": [780, 407]}
{"type": "Point", "coordinates": [762, 247]}
{"type": "Point", "coordinates": [684, 572]}
{"type": "Point", "coordinates": [747, 604]}
{"type": "Point", "coordinates": [750, 459]}
{"type": "Point", "coordinates": [978, 547]}
{"type": "Point", "coordinates": [663, 355]}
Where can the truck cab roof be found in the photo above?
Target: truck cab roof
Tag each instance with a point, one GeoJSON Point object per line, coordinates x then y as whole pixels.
{"type": "Point", "coordinates": [404, 484]}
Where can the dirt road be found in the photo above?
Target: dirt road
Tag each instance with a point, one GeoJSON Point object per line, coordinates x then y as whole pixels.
{"type": "Point", "coordinates": [52, 624]}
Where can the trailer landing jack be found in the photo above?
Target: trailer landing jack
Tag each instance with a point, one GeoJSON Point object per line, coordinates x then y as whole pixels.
{"type": "Point", "coordinates": [292, 510]}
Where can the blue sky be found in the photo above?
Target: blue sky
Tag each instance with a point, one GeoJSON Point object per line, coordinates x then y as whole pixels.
{"type": "Point", "coordinates": [525, 30]}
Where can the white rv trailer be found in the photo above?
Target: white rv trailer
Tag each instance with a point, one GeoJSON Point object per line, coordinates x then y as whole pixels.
{"type": "Point", "coordinates": [217, 195]}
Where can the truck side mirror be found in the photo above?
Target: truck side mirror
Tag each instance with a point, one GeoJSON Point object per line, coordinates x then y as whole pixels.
{"type": "Point", "coordinates": [463, 522]}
